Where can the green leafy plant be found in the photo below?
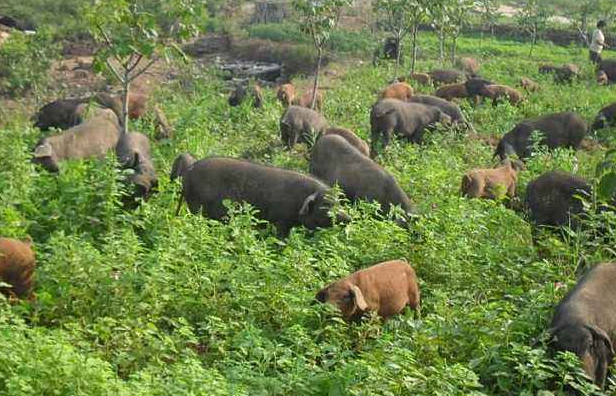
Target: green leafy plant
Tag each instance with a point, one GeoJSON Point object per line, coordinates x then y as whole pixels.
{"type": "Point", "coordinates": [458, 13]}
{"type": "Point", "coordinates": [132, 39]}
{"type": "Point", "coordinates": [397, 20]}
{"type": "Point", "coordinates": [317, 19]}
{"type": "Point", "coordinates": [533, 18]}
{"type": "Point", "coordinates": [145, 302]}
{"type": "Point", "coordinates": [25, 61]}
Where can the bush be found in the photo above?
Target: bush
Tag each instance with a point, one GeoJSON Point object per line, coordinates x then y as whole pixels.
{"type": "Point", "coordinates": [63, 17]}
{"type": "Point", "coordinates": [25, 61]}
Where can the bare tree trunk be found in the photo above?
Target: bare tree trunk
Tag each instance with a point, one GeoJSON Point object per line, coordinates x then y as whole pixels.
{"type": "Point", "coordinates": [398, 51]}
{"type": "Point", "coordinates": [441, 44]}
{"type": "Point", "coordinates": [316, 77]}
{"type": "Point", "coordinates": [533, 41]}
{"type": "Point", "coordinates": [454, 41]}
{"type": "Point", "coordinates": [125, 95]}
{"type": "Point", "coordinates": [414, 51]}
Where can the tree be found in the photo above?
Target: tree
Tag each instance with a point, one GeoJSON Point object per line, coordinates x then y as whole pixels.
{"type": "Point", "coordinates": [418, 12]}
{"type": "Point", "coordinates": [582, 11]}
{"type": "Point", "coordinates": [440, 19]}
{"type": "Point", "coordinates": [397, 21]}
{"type": "Point", "coordinates": [488, 11]}
{"type": "Point", "coordinates": [458, 12]}
{"type": "Point", "coordinates": [132, 37]}
{"type": "Point", "coordinates": [533, 17]}
{"type": "Point", "coordinates": [317, 19]}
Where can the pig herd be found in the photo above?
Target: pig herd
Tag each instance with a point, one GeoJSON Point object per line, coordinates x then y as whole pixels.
{"type": "Point", "coordinates": [583, 323]}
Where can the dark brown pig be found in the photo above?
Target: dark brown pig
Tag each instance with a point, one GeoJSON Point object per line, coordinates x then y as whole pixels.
{"type": "Point", "coordinates": [584, 322]}
{"type": "Point", "coordinates": [282, 197]}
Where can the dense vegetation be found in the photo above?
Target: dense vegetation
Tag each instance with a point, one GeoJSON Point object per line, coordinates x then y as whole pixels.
{"type": "Point", "coordinates": [146, 303]}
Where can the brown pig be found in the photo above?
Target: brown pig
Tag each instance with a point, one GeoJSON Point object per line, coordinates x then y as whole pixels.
{"type": "Point", "coordinates": [499, 92]}
{"type": "Point", "coordinates": [529, 85]}
{"type": "Point", "coordinates": [421, 78]}
{"type": "Point", "coordinates": [287, 95]}
{"type": "Point", "coordinates": [399, 90]}
{"type": "Point", "coordinates": [452, 91]}
{"type": "Point", "coordinates": [16, 267]}
{"type": "Point", "coordinates": [385, 288]}
{"type": "Point", "coordinates": [486, 183]}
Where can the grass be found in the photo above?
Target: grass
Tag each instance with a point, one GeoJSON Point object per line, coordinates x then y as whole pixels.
{"type": "Point", "coordinates": [147, 303]}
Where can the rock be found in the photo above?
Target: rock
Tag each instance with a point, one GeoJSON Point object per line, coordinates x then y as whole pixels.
{"type": "Point", "coordinates": [256, 70]}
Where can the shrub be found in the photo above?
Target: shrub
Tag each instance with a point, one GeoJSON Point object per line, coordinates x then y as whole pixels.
{"type": "Point", "coordinates": [25, 61]}
{"type": "Point", "coordinates": [62, 16]}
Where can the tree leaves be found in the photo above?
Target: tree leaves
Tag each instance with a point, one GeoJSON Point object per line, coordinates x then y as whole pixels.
{"type": "Point", "coordinates": [319, 17]}
{"type": "Point", "coordinates": [607, 186]}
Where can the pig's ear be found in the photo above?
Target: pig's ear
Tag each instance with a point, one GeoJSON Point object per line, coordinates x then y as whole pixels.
{"type": "Point", "coordinates": [321, 296]}
{"type": "Point", "coordinates": [44, 150]}
{"type": "Point", "coordinates": [359, 298]}
{"type": "Point", "coordinates": [600, 335]}
{"type": "Point", "coordinates": [135, 161]}
{"type": "Point", "coordinates": [308, 204]}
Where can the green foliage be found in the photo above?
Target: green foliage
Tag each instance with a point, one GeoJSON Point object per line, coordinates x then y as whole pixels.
{"type": "Point", "coordinates": [132, 38]}
{"type": "Point", "coordinates": [318, 18]}
{"type": "Point", "coordinates": [457, 18]}
{"type": "Point", "coordinates": [489, 12]}
{"type": "Point", "coordinates": [606, 174]}
{"type": "Point", "coordinates": [146, 303]}
{"type": "Point", "coordinates": [397, 21]}
{"type": "Point", "coordinates": [533, 18]}
{"type": "Point", "coordinates": [64, 18]}
{"type": "Point", "coordinates": [25, 61]}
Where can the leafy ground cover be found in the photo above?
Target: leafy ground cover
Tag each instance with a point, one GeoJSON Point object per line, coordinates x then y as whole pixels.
{"type": "Point", "coordinates": [147, 303]}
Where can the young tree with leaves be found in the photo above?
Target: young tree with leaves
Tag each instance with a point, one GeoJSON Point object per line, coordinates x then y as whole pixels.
{"type": "Point", "coordinates": [132, 38]}
{"type": "Point", "coordinates": [418, 13]}
{"type": "Point", "coordinates": [458, 12]}
{"type": "Point", "coordinates": [488, 11]}
{"type": "Point", "coordinates": [583, 11]}
{"type": "Point", "coordinates": [397, 20]}
{"type": "Point", "coordinates": [533, 18]}
{"type": "Point", "coordinates": [317, 19]}
{"type": "Point", "coordinates": [440, 19]}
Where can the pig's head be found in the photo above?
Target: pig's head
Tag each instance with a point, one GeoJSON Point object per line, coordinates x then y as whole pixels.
{"type": "Point", "coordinates": [590, 343]}
{"type": "Point", "coordinates": [314, 212]}
{"type": "Point", "coordinates": [347, 297]}
{"type": "Point", "coordinates": [45, 156]}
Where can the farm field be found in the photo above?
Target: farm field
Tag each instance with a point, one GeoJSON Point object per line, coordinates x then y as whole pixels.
{"type": "Point", "coordinates": [144, 302]}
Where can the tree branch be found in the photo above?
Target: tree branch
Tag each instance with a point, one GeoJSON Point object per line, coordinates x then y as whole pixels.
{"type": "Point", "coordinates": [113, 71]}
{"type": "Point", "coordinates": [131, 68]}
{"type": "Point", "coordinates": [143, 70]}
{"type": "Point", "coordinates": [126, 65]}
{"type": "Point", "coordinates": [108, 41]}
